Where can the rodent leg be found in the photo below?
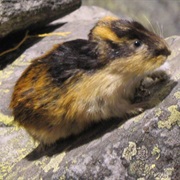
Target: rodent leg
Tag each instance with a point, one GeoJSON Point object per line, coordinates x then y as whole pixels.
{"type": "Point", "coordinates": [137, 108]}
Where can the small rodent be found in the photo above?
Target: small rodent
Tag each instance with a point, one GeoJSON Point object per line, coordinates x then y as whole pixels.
{"type": "Point", "coordinates": [81, 81]}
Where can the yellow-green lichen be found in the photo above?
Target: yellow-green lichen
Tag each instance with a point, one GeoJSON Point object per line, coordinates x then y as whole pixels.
{"type": "Point", "coordinates": [5, 74]}
{"type": "Point", "coordinates": [177, 95]}
{"type": "Point", "coordinates": [166, 175]}
{"type": "Point", "coordinates": [139, 117]}
{"type": "Point", "coordinates": [63, 177]}
{"type": "Point", "coordinates": [20, 178]}
{"type": "Point", "coordinates": [141, 169]}
{"type": "Point", "coordinates": [7, 120]}
{"type": "Point", "coordinates": [130, 151]}
{"type": "Point", "coordinates": [176, 76]}
{"type": "Point", "coordinates": [23, 152]}
{"type": "Point", "coordinates": [149, 169]}
{"type": "Point", "coordinates": [20, 61]}
{"type": "Point", "coordinates": [4, 169]}
{"type": "Point", "coordinates": [158, 112]}
{"type": "Point", "coordinates": [54, 163]}
{"type": "Point", "coordinates": [173, 119]}
{"type": "Point", "coordinates": [153, 166]}
{"type": "Point", "coordinates": [137, 168]}
{"type": "Point", "coordinates": [156, 152]}
{"type": "Point", "coordinates": [5, 90]}
{"type": "Point", "coordinates": [42, 162]}
{"type": "Point", "coordinates": [74, 161]}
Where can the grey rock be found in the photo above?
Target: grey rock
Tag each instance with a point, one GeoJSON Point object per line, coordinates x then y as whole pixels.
{"type": "Point", "coordinates": [151, 13]}
{"type": "Point", "coordinates": [22, 14]}
{"type": "Point", "coordinates": [87, 13]}
{"type": "Point", "coordinates": [145, 146]}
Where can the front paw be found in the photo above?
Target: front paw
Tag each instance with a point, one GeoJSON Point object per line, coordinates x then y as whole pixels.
{"type": "Point", "coordinates": [159, 75]}
{"type": "Point", "coordinates": [152, 79]}
{"type": "Point", "coordinates": [141, 94]}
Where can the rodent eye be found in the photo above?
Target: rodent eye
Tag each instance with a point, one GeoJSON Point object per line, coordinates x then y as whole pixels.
{"type": "Point", "coordinates": [137, 43]}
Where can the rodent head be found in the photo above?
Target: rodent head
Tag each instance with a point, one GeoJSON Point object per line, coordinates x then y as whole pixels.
{"type": "Point", "coordinates": [128, 44]}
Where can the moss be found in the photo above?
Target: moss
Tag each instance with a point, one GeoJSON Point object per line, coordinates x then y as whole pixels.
{"type": "Point", "coordinates": [129, 151]}
{"type": "Point", "coordinates": [173, 119]}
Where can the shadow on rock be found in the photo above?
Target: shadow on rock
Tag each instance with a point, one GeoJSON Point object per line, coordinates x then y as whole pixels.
{"type": "Point", "coordinates": [158, 92]}
{"type": "Point", "coordinates": [12, 40]}
{"type": "Point", "coordinates": [94, 132]}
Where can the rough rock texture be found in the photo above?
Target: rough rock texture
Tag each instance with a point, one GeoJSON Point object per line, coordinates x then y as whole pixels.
{"type": "Point", "coordinates": [21, 14]}
{"type": "Point", "coordinates": [143, 147]}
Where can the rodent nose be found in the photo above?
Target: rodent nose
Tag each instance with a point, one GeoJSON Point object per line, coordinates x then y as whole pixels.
{"type": "Point", "coordinates": [165, 52]}
{"type": "Point", "coordinates": [168, 53]}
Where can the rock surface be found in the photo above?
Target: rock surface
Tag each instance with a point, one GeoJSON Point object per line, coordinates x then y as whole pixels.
{"type": "Point", "coordinates": [22, 14]}
{"type": "Point", "coordinates": [146, 146]}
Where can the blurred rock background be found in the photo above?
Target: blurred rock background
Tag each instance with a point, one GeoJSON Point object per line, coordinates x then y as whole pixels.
{"type": "Point", "coordinates": [164, 15]}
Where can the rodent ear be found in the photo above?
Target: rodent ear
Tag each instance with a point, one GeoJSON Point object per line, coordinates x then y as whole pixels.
{"type": "Point", "coordinates": [103, 30]}
{"type": "Point", "coordinates": [107, 19]}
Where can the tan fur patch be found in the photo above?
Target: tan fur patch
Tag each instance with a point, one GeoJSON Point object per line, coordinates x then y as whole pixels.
{"type": "Point", "coordinates": [106, 33]}
{"type": "Point", "coordinates": [108, 19]}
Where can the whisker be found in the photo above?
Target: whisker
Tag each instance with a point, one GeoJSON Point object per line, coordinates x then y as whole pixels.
{"type": "Point", "coordinates": [162, 30]}
{"type": "Point", "coordinates": [158, 28]}
{"type": "Point", "coordinates": [146, 18]}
